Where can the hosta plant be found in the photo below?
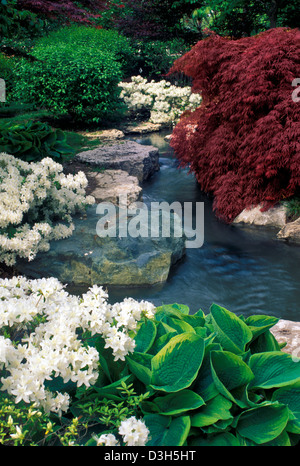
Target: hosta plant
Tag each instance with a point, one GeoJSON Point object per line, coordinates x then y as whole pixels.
{"type": "Point", "coordinates": [33, 141]}
{"type": "Point", "coordinates": [215, 379]}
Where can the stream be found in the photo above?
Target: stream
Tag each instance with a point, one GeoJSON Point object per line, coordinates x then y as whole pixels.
{"type": "Point", "coordinates": [244, 269]}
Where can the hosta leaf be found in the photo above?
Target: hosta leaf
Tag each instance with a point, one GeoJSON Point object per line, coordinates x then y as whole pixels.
{"type": "Point", "coordinates": [290, 396]}
{"type": "Point", "coordinates": [165, 431]}
{"type": "Point", "coordinates": [232, 332]}
{"type": "Point", "coordinates": [179, 325]}
{"type": "Point", "coordinates": [263, 424]}
{"type": "Point", "coordinates": [273, 369]}
{"type": "Point", "coordinates": [163, 329]}
{"type": "Point", "coordinates": [231, 375]}
{"type": "Point", "coordinates": [215, 409]}
{"type": "Point", "coordinates": [174, 310]}
{"type": "Point", "coordinates": [179, 402]}
{"type": "Point", "coordinates": [204, 384]}
{"type": "Point", "coordinates": [177, 364]}
{"type": "Point", "coordinates": [264, 343]}
{"type": "Point", "coordinates": [140, 366]}
{"type": "Point", "coordinates": [219, 440]}
{"type": "Point", "coordinates": [145, 336]}
{"type": "Point", "coordinates": [161, 342]}
{"type": "Point", "coordinates": [196, 320]}
{"type": "Point", "coordinates": [258, 324]}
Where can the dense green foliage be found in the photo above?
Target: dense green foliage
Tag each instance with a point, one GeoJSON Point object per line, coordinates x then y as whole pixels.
{"type": "Point", "coordinates": [78, 81]}
{"type": "Point", "coordinates": [239, 18]}
{"type": "Point", "coordinates": [33, 141]}
{"type": "Point", "coordinates": [155, 58]}
{"type": "Point", "coordinates": [215, 379]}
{"type": "Point", "coordinates": [93, 41]}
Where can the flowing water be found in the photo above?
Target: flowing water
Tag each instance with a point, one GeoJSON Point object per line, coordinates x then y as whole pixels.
{"type": "Point", "coordinates": [246, 270]}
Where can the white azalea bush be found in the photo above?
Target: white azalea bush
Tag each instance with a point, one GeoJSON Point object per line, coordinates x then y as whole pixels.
{"type": "Point", "coordinates": [165, 101]}
{"type": "Point", "coordinates": [134, 432]}
{"type": "Point", "coordinates": [37, 202]}
{"type": "Point", "coordinates": [48, 335]}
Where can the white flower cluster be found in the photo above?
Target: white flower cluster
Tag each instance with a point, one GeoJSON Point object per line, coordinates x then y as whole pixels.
{"type": "Point", "coordinates": [134, 432]}
{"type": "Point", "coordinates": [48, 321]}
{"type": "Point", "coordinates": [32, 196]}
{"type": "Point", "coordinates": [165, 101]}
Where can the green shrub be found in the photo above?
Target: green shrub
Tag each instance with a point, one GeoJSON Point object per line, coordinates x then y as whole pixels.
{"type": "Point", "coordinates": [32, 141]}
{"type": "Point", "coordinates": [157, 57]}
{"type": "Point", "coordinates": [79, 81]}
{"type": "Point", "coordinates": [96, 40]}
{"type": "Point", "coordinates": [215, 379]}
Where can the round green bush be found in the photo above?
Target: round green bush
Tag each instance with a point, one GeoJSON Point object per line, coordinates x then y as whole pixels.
{"type": "Point", "coordinates": [79, 81]}
{"type": "Point", "coordinates": [96, 40]}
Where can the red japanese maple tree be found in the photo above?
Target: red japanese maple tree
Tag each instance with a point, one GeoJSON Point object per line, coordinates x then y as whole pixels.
{"type": "Point", "coordinates": [83, 11]}
{"type": "Point", "coordinates": [243, 142]}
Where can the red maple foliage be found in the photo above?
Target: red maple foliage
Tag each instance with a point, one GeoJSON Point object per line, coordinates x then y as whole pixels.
{"type": "Point", "coordinates": [243, 142]}
{"type": "Point", "coordinates": [82, 12]}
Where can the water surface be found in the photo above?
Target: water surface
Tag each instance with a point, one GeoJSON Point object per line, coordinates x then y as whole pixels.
{"type": "Point", "coordinates": [246, 270]}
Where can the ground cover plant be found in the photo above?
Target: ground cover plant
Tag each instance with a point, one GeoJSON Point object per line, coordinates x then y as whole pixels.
{"type": "Point", "coordinates": [33, 141]}
{"type": "Point", "coordinates": [132, 374]}
{"type": "Point", "coordinates": [242, 143]}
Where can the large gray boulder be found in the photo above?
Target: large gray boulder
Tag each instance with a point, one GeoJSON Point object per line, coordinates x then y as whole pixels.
{"type": "Point", "coordinates": [136, 159]}
{"type": "Point", "coordinates": [87, 259]}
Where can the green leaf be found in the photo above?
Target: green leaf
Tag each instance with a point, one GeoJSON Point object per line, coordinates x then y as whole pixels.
{"type": "Point", "coordinates": [264, 423]}
{"type": "Point", "coordinates": [231, 375]}
{"type": "Point", "coordinates": [179, 325]}
{"type": "Point", "coordinates": [165, 431]}
{"type": "Point", "coordinates": [216, 409]}
{"type": "Point", "coordinates": [290, 396]}
{"type": "Point", "coordinates": [178, 403]}
{"type": "Point", "coordinates": [112, 392]}
{"type": "Point", "coordinates": [173, 310]}
{"type": "Point", "coordinates": [177, 364]}
{"type": "Point", "coordinates": [232, 332]}
{"type": "Point", "coordinates": [273, 369]}
{"type": "Point", "coordinates": [196, 320]}
{"type": "Point", "coordinates": [145, 336]}
{"type": "Point", "coordinates": [140, 366]}
{"type": "Point", "coordinates": [258, 324]}
{"type": "Point", "coordinates": [264, 343]}
{"type": "Point", "coordinates": [204, 384]}
{"type": "Point", "coordinates": [161, 342]}
{"type": "Point", "coordinates": [219, 440]}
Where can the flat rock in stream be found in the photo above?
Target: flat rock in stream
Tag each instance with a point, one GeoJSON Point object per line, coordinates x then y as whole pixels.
{"type": "Point", "coordinates": [87, 259]}
{"type": "Point", "coordinates": [136, 159]}
{"type": "Point", "coordinates": [109, 185]}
